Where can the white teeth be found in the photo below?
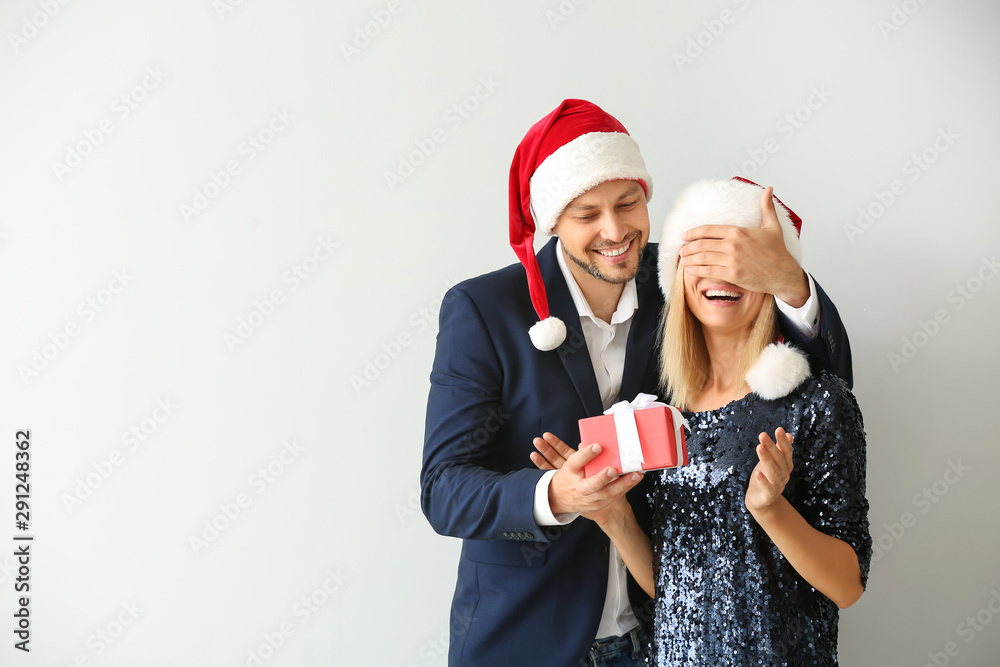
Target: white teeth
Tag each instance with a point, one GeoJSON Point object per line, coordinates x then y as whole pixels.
{"type": "Point", "coordinates": [718, 292]}
{"type": "Point", "coordinates": [614, 253]}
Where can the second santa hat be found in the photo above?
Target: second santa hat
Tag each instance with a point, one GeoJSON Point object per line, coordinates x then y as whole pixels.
{"type": "Point", "coordinates": [569, 151]}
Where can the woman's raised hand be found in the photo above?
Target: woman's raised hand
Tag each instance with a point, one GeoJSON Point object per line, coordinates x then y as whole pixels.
{"type": "Point", "coordinates": [772, 471]}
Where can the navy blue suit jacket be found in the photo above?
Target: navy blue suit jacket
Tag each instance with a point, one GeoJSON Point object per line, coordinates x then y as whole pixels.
{"type": "Point", "coordinates": [525, 589]}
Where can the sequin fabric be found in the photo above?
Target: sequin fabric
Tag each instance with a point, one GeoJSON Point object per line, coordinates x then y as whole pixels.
{"type": "Point", "coordinates": [724, 593]}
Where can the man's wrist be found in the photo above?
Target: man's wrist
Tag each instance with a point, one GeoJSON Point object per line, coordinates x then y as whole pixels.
{"type": "Point", "coordinates": [543, 512]}
{"type": "Point", "coordinates": [797, 292]}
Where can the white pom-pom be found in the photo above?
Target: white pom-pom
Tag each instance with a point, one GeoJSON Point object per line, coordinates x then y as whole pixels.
{"type": "Point", "coordinates": [780, 369]}
{"type": "Point", "coordinates": [548, 334]}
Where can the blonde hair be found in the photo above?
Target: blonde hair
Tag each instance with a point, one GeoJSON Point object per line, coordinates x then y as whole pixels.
{"type": "Point", "coordinates": [684, 360]}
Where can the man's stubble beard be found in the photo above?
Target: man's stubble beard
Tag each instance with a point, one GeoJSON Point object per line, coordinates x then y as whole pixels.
{"type": "Point", "coordinates": [592, 269]}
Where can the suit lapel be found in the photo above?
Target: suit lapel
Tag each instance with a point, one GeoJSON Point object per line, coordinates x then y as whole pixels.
{"type": "Point", "coordinates": [573, 352]}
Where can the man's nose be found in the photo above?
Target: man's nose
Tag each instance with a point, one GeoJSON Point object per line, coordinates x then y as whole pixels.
{"type": "Point", "coordinates": [612, 227]}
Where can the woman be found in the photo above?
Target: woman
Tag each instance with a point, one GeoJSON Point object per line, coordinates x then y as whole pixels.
{"type": "Point", "coordinates": [755, 546]}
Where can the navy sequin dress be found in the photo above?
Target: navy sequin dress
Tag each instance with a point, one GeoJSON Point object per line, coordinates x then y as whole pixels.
{"type": "Point", "coordinates": [724, 593]}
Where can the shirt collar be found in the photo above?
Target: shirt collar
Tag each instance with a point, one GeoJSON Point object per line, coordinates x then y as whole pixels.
{"type": "Point", "coordinates": [628, 303]}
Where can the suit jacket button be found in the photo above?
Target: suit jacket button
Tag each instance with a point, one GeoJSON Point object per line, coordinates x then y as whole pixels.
{"type": "Point", "coordinates": [601, 549]}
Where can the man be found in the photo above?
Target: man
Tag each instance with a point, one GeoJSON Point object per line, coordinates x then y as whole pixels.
{"type": "Point", "coordinates": [538, 584]}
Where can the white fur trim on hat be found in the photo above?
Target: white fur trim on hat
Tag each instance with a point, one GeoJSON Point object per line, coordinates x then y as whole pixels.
{"type": "Point", "coordinates": [716, 202]}
{"type": "Point", "coordinates": [780, 369]}
{"type": "Point", "coordinates": [547, 334]}
{"type": "Point", "coordinates": [579, 165]}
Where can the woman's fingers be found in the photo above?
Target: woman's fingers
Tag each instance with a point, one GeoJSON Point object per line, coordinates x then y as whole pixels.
{"type": "Point", "coordinates": [548, 452]}
{"type": "Point", "coordinates": [558, 445]}
{"type": "Point", "coordinates": [541, 462]}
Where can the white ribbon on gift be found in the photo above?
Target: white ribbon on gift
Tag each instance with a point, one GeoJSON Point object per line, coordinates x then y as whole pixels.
{"type": "Point", "coordinates": [629, 449]}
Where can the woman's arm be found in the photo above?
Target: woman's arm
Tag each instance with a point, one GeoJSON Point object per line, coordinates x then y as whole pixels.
{"type": "Point", "coordinates": [616, 520]}
{"type": "Point", "coordinates": [618, 523]}
{"type": "Point", "coordinates": [829, 564]}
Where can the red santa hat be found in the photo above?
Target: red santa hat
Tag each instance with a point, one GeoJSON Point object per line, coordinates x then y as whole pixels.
{"type": "Point", "coordinates": [571, 150]}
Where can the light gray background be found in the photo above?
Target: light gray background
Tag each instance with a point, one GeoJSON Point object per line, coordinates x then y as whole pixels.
{"type": "Point", "coordinates": [337, 523]}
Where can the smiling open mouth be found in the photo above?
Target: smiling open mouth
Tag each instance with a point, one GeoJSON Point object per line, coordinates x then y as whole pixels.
{"type": "Point", "coordinates": [616, 251]}
{"type": "Point", "coordinates": [722, 295]}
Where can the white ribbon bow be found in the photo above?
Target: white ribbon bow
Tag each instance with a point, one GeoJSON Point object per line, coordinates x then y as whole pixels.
{"type": "Point", "coordinates": [629, 449]}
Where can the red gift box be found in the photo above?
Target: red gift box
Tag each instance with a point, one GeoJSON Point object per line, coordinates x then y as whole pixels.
{"type": "Point", "coordinates": [660, 430]}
